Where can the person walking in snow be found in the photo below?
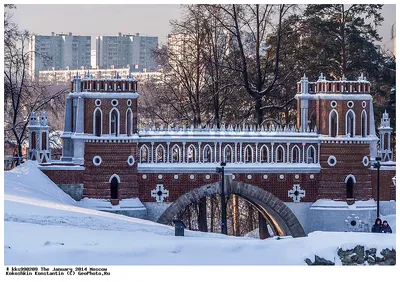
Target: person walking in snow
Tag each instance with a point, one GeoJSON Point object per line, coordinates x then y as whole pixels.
{"type": "Point", "coordinates": [377, 227]}
{"type": "Point", "coordinates": [386, 228]}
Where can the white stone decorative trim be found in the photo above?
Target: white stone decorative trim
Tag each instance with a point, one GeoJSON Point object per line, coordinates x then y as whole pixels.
{"type": "Point", "coordinates": [333, 104]}
{"type": "Point", "coordinates": [297, 176]}
{"type": "Point", "coordinates": [144, 176]}
{"type": "Point", "coordinates": [365, 161]}
{"type": "Point", "coordinates": [130, 160]}
{"type": "Point", "coordinates": [331, 161]}
{"type": "Point", "coordinates": [281, 176]}
{"type": "Point", "coordinates": [129, 102]}
{"type": "Point", "coordinates": [249, 176]}
{"type": "Point", "coordinates": [97, 102]}
{"type": "Point", "coordinates": [364, 104]}
{"type": "Point", "coordinates": [350, 104]}
{"type": "Point", "coordinates": [61, 167]}
{"type": "Point", "coordinates": [114, 102]}
{"type": "Point", "coordinates": [176, 177]}
{"type": "Point", "coordinates": [233, 176]}
{"type": "Point", "coordinates": [265, 176]}
{"type": "Point", "coordinates": [207, 176]}
{"type": "Point", "coordinates": [97, 160]}
{"type": "Point", "coordinates": [311, 176]}
{"type": "Point", "coordinates": [116, 176]}
{"type": "Point", "coordinates": [159, 193]}
{"type": "Point", "coordinates": [159, 176]}
{"type": "Point", "coordinates": [191, 176]}
{"type": "Point", "coordinates": [296, 193]}
{"type": "Point", "coordinates": [350, 176]}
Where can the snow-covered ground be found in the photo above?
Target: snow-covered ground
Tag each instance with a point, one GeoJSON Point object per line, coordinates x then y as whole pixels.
{"type": "Point", "coordinates": [44, 226]}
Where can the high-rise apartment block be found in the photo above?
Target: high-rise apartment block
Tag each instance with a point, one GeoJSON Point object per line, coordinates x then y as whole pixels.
{"type": "Point", "coordinates": [126, 50]}
{"type": "Point", "coordinates": [59, 51]}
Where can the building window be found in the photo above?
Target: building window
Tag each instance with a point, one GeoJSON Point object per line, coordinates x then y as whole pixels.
{"type": "Point", "coordinates": [364, 123]}
{"type": "Point", "coordinates": [114, 187]}
{"type": "Point", "coordinates": [33, 142]}
{"type": "Point", "coordinates": [311, 156]}
{"type": "Point", "coordinates": [44, 141]}
{"type": "Point", "coordinates": [280, 154]}
{"type": "Point", "coordinates": [350, 181]}
{"type": "Point", "coordinates": [333, 123]}
{"type": "Point", "coordinates": [114, 125]}
{"type": "Point", "coordinates": [350, 123]}
{"type": "Point", "coordinates": [264, 154]}
{"type": "Point", "coordinates": [295, 154]}
{"type": "Point", "coordinates": [144, 154]}
{"type": "Point", "coordinates": [97, 123]}
{"type": "Point", "coordinates": [129, 122]}
{"type": "Point", "coordinates": [248, 154]}
{"type": "Point", "coordinates": [228, 154]}
{"type": "Point", "coordinates": [207, 154]}
{"type": "Point", "coordinates": [176, 154]}
{"type": "Point", "coordinates": [191, 154]}
{"type": "Point", "coordinates": [160, 154]}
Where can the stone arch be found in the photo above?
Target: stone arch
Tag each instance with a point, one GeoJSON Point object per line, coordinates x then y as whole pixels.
{"type": "Point", "coordinates": [284, 220]}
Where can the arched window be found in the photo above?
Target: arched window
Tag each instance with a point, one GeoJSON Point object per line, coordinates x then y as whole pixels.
{"type": "Point", "coordinates": [248, 154]}
{"type": "Point", "coordinates": [364, 123]}
{"type": "Point", "coordinates": [264, 154]}
{"type": "Point", "coordinates": [114, 122]}
{"type": "Point", "coordinates": [33, 141]}
{"type": "Point", "coordinates": [311, 156]}
{"type": "Point", "coordinates": [350, 181]}
{"type": "Point", "coordinates": [114, 180]}
{"type": "Point", "coordinates": [97, 122]}
{"type": "Point", "coordinates": [191, 154]}
{"type": "Point", "coordinates": [160, 154]}
{"type": "Point", "coordinates": [333, 123]}
{"type": "Point", "coordinates": [44, 141]}
{"type": "Point", "coordinates": [280, 154]}
{"type": "Point", "coordinates": [350, 123]}
{"type": "Point", "coordinates": [313, 120]}
{"type": "Point", "coordinates": [176, 154]}
{"type": "Point", "coordinates": [228, 154]}
{"type": "Point", "coordinates": [207, 154]}
{"type": "Point", "coordinates": [129, 122]}
{"type": "Point", "coordinates": [144, 154]}
{"type": "Point", "coordinates": [295, 154]}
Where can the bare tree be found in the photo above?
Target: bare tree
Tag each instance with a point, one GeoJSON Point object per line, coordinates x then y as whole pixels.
{"type": "Point", "coordinates": [22, 93]}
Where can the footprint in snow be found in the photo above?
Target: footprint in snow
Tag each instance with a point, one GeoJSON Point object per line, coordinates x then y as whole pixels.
{"type": "Point", "coordinates": [48, 243]}
{"type": "Point", "coordinates": [7, 247]}
{"type": "Point", "coordinates": [177, 250]}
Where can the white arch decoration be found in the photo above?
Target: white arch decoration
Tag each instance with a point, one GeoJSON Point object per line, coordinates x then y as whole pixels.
{"type": "Point", "coordinates": [309, 149]}
{"type": "Point", "coordinates": [337, 122]}
{"type": "Point", "coordinates": [364, 125]}
{"type": "Point", "coordinates": [204, 153]}
{"type": "Point", "coordinates": [144, 146]}
{"type": "Point", "coordinates": [246, 155]}
{"type": "Point", "coordinates": [261, 153]}
{"type": "Point", "coordinates": [350, 176]}
{"type": "Point", "coordinates": [118, 121]}
{"type": "Point", "coordinates": [116, 176]}
{"type": "Point", "coordinates": [283, 154]}
{"type": "Point", "coordinates": [179, 154]}
{"type": "Point", "coordinates": [295, 147]}
{"type": "Point", "coordinates": [228, 147]}
{"type": "Point", "coordinates": [350, 112]}
{"type": "Point", "coordinates": [194, 153]}
{"type": "Point", "coordinates": [129, 131]}
{"type": "Point", "coordinates": [94, 121]}
{"type": "Point", "coordinates": [161, 147]}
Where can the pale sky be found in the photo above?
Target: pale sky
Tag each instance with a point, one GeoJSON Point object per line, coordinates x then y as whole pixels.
{"type": "Point", "coordinates": [153, 20]}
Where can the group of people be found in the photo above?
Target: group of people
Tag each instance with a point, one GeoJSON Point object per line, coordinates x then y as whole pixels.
{"type": "Point", "coordinates": [381, 227]}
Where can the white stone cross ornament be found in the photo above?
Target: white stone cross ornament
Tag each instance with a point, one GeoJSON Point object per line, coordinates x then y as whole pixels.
{"type": "Point", "coordinates": [159, 193]}
{"type": "Point", "coordinates": [296, 193]}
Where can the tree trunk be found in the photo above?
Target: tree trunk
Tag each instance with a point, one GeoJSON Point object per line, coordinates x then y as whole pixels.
{"type": "Point", "coordinates": [259, 112]}
{"type": "Point", "coordinates": [202, 219]}
{"type": "Point", "coordinates": [236, 229]}
{"type": "Point", "coordinates": [212, 213]}
{"type": "Point", "coordinates": [262, 227]}
{"type": "Point", "coordinates": [250, 216]}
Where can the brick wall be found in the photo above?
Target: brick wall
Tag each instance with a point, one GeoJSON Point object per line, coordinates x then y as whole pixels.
{"type": "Point", "coordinates": [114, 161]}
{"type": "Point", "coordinates": [65, 176]}
{"type": "Point", "coordinates": [387, 190]}
{"type": "Point", "coordinates": [349, 159]}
